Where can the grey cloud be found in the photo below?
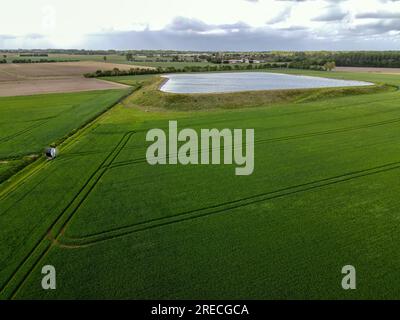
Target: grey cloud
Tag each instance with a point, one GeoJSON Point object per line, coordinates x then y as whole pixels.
{"type": "Point", "coordinates": [34, 36]}
{"type": "Point", "coordinates": [6, 37]}
{"type": "Point", "coordinates": [234, 26]}
{"type": "Point", "coordinates": [187, 24]}
{"type": "Point", "coordinates": [378, 15]}
{"type": "Point", "coordinates": [244, 39]}
{"type": "Point", "coordinates": [281, 16]}
{"type": "Point", "coordinates": [29, 41]}
{"type": "Point", "coordinates": [183, 24]}
{"type": "Point", "coordinates": [333, 1]}
{"type": "Point", "coordinates": [367, 37]}
{"type": "Point", "coordinates": [294, 28]}
{"type": "Point", "coordinates": [332, 13]}
{"type": "Point", "coordinates": [189, 34]}
{"type": "Point", "coordinates": [378, 27]}
{"type": "Point", "coordinates": [258, 39]}
{"type": "Point", "coordinates": [192, 34]}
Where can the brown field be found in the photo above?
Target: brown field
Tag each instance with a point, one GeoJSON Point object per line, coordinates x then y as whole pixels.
{"type": "Point", "coordinates": [37, 78]}
{"type": "Point", "coordinates": [56, 85]}
{"type": "Point", "coordinates": [370, 70]}
{"type": "Point", "coordinates": [10, 72]}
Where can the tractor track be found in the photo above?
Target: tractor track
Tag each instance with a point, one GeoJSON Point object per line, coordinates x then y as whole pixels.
{"type": "Point", "coordinates": [54, 234]}
{"type": "Point", "coordinates": [26, 130]}
{"type": "Point", "coordinates": [199, 124]}
{"type": "Point", "coordinates": [272, 140]}
{"type": "Point", "coordinates": [58, 224]}
{"type": "Point", "coordinates": [222, 207]}
{"type": "Point", "coordinates": [36, 125]}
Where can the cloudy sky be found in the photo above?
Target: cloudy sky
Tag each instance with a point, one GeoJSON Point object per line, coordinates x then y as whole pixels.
{"type": "Point", "coordinates": [202, 24]}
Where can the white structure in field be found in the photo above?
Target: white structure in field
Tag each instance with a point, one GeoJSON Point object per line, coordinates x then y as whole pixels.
{"type": "Point", "coordinates": [51, 153]}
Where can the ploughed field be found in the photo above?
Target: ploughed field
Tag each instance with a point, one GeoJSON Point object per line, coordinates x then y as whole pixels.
{"type": "Point", "coordinates": [39, 78]}
{"type": "Point", "coordinates": [324, 194]}
{"type": "Point", "coordinates": [10, 72]}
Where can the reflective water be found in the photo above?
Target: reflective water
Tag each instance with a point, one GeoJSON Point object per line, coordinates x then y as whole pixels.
{"type": "Point", "coordinates": [246, 81]}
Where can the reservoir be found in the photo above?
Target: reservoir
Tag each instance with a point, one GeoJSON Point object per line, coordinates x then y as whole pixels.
{"type": "Point", "coordinates": [247, 81]}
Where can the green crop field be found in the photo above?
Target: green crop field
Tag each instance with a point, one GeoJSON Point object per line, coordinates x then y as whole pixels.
{"type": "Point", "coordinates": [324, 194]}
{"type": "Point", "coordinates": [30, 123]}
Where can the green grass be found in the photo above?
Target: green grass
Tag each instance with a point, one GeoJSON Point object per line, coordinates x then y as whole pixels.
{"type": "Point", "coordinates": [151, 97]}
{"type": "Point", "coordinates": [324, 194]}
{"type": "Point", "coordinates": [134, 81]}
{"type": "Point", "coordinates": [10, 167]}
{"type": "Point", "coordinates": [30, 123]}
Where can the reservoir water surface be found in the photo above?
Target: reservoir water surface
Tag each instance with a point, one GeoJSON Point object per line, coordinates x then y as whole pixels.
{"type": "Point", "coordinates": [247, 81]}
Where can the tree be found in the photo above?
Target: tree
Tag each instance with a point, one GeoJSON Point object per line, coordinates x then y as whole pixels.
{"type": "Point", "coordinates": [129, 56]}
{"type": "Point", "coordinates": [329, 66]}
{"type": "Point", "coordinates": [105, 58]}
{"type": "Point", "coordinates": [116, 71]}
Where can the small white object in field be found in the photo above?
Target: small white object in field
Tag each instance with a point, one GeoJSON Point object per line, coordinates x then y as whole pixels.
{"type": "Point", "coordinates": [51, 153]}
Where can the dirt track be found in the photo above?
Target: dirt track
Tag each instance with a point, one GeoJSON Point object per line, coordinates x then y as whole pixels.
{"type": "Point", "coordinates": [370, 70]}
{"type": "Point", "coordinates": [37, 78]}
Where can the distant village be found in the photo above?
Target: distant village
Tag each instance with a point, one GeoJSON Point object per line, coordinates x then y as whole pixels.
{"type": "Point", "coordinates": [244, 60]}
{"type": "Point", "coordinates": [296, 59]}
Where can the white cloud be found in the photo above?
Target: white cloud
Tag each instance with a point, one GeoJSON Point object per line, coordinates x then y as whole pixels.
{"type": "Point", "coordinates": [74, 23]}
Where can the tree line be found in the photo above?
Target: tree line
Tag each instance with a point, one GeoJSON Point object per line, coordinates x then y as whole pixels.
{"type": "Point", "coordinates": [39, 61]}
{"type": "Point", "coordinates": [34, 55]}
{"type": "Point", "coordinates": [172, 69]}
{"type": "Point", "coordinates": [383, 59]}
{"type": "Point", "coordinates": [207, 68]}
{"type": "Point", "coordinates": [370, 59]}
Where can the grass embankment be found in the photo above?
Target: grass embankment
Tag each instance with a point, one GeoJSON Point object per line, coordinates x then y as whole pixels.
{"type": "Point", "coordinates": [134, 81]}
{"type": "Point", "coordinates": [151, 97]}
